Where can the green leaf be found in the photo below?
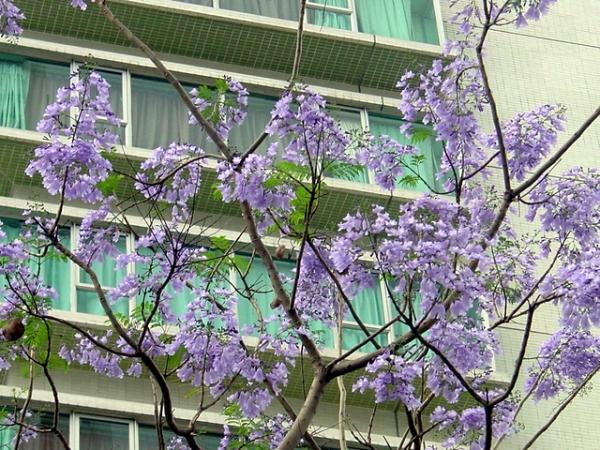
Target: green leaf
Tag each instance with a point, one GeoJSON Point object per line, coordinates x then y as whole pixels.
{"type": "Point", "coordinates": [410, 181]}
{"type": "Point", "coordinates": [205, 93]}
{"type": "Point", "coordinates": [421, 133]}
{"type": "Point", "coordinates": [220, 243]}
{"type": "Point", "coordinates": [344, 171]}
{"type": "Point", "coordinates": [110, 185]}
{"type": "Point", "coordinates": [241, 263]}
{"type": "Point", "coordinates": [221, 85]}
{"type": "Point", "coordinates": [217, 193]}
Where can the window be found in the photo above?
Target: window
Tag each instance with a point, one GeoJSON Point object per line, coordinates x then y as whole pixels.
{"type": "Point", "coordinates": [430, 149]}
{"type": "Point", "coordinates": [330, 13]}
{"type": "Point", "coordinates": [198, 2]}
{"type": "Point", "coordinates": [370, 307]}
{"type": "Point", "coordinates": [53, 269]}
{"type": "Point", "coordinates": [44, 441]}
{"type": "Point", "coordinates": [259, 115]}
{"type": "Point", "coordinates": [259, 285]}
{"type": "Point", "coordinates": [370, 304]}
{"type": "Point", "coordinates": [400, 19]}
{"type": "Point", "coordinates": [26, 88]}
{"type": "Point", "coordinates": [281, 9]}
{"type": "Point", "coordinates": [104, 434]}
{"type": "Point", "coordinates": [105, 268]}
{"type": "Point", "coordinates": [118, 81]}
{"type": "Point", "coordinates": [160, 118]}
{"type": "Point", "coordinates": [178, 300]}
{"type": "Point", "coordinates": [408, 20]}
{"type": "Point", "coordinates": [148, 439]}
{"type": "Point", "coordinates": [349, 121]}
{"type": "Point", "coordinates": [258, 282]}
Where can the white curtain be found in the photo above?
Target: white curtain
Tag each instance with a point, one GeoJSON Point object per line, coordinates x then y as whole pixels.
{"type": "Point", "coordinates": [159, 117]}
{"type": "Point", "coordinates": [259, 115]}
{"type": "Point", "coordinates": [282, 9]}
{"type": "Point", "coordinates": [198, 2]}
{"type": "Point", "coordinates": [44, 81]}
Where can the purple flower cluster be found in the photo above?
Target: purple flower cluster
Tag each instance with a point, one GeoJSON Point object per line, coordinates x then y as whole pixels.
{"type": "Point", "coordinates": [470, 350]}
{"type": "Point", "coordinates": [172, 175]}
{"type": "Point", "coordinates": [392, 378]}
{"type": "Point", "coordinates": [227, 111]}
{"type": "Point", "coordinates": [10, 19]}
{"type": "Point", "coordinates": [85, 352]}
{"type": "Point", "coordinates": [466, 427]}
{"type": "Point", "coordinates": [529, 137]}
{"type": "Point", "coordinates": [72, 164]}
{"type": "Point", "coordinates": [563, 362]}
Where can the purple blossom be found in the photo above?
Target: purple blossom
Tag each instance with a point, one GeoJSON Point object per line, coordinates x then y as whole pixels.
{"type": "Point", "coordinates": [72, 164]}
{"type": "Point", "coordinates": [10, 19]}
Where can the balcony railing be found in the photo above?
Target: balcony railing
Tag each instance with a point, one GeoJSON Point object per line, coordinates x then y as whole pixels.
{"type": "Point", "coordinates": [348, 46]}
{"type": "Point", "coordinates": [400, 19]}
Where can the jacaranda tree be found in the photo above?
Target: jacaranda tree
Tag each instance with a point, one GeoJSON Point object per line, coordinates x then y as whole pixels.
{"type": "Point", "coordinates": [452, 264]}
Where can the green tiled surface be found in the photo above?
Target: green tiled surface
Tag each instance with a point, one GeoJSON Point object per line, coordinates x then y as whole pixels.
{"type": "Point", "coordinates": [333, 205]}
{"type": "Point", "coordinates": [225, 41]}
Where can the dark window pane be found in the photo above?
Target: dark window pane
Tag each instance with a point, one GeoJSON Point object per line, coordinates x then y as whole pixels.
{"type": "Point", "coordinates": [103, 435]}
{"type": "Point", "coordinates": [148, 439]}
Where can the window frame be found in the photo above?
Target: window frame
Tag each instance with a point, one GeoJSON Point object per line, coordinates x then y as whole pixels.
{"type": "Point", "coordinates": [346, 324]}
{"type": "Point", "coordinates": [125, 97]}
{"type": "Point", "coordinates": [349, 11]}
{"type": "Point", "coordinates": [75, 428]}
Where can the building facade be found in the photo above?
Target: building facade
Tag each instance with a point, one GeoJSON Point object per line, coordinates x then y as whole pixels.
{"type": "Point", "coordinates": [354, 52]}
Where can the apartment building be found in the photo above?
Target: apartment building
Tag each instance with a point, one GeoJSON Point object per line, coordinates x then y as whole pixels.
{"type": "Point", "coordinates": [354, 52]}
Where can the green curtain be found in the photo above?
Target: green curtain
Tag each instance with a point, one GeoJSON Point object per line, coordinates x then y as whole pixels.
{"type": "Point", "coordinates": [401, 328]}
{"type": "Point", "coordinates": [368, 304]}
{"type": "Point", "coordinates": [385, 18]}
{"type": "Point", "coordinates": [54, 270]}
{"type": "Point", "coordinates": [429, 148]}
{"type": "Point", "coordinates": [14, 84]}
{"type": "Point", "coordinates": [423, 22]}
{"type": "Point", "coordinates": [330, 19]}
{"type": "Point", "coordinates": [7, 433]}
{"type": "Point", "coordinates": [348, 121]}
{"type": "Point", "coordinates": [105, 269]}
{"type": "Point", "coordinates": [180, 300]}
{"type": "Point", "coordinates": [258, 280]}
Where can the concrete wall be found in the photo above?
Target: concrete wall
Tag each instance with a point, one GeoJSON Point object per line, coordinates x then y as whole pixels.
{"type": "Point", "coordinates": [555, 60]}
